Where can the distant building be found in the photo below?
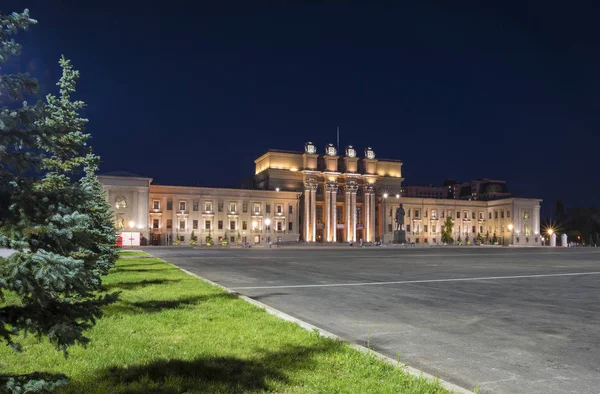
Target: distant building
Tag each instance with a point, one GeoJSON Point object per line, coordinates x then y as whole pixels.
{"type": "Point", "coordinates": [479, 189]}
{"type": "Point", "coordinates": [331, 197]}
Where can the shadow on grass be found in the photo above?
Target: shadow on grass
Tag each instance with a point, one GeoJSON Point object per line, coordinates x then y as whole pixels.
{"type": "Point", "coordinates": [154, 306]}
{"type": "Point", "coordinates": [211, 374]}
{"type": "Point", "coordinates": [135, 285]}
{"type": "Point", "coordinates": [125, 269]}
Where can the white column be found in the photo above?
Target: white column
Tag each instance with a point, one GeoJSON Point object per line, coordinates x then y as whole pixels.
{"type": "Point", "coordinates": [367, 216]}
{"type": "Point", "coordinates": [327, 234]}
{"type": "Point", "coordinates": [373, 206]}
{"type": "Point", "coordinates": [348, 216]}
{"type": "Point", "coordinates": [313, 213]}
{"type": "Point", "coordinates": [353, 216]}
{"type": "Point", "coordinates": [536, 219]}
{"type": "Point", "coordinates": [306, 223]}
{"type": "Point", "coordinates": [334, 214]}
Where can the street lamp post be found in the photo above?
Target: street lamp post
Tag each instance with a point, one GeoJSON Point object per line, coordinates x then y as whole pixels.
{"type": "Point", "coordinates": [268, 222]}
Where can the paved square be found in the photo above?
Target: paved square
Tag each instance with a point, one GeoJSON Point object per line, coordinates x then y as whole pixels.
{"type": "Point", "coordinates": [507, 319]}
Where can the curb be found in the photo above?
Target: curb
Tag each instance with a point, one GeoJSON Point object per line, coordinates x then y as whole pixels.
{"type": "Point", "coordinates": [309, 327]}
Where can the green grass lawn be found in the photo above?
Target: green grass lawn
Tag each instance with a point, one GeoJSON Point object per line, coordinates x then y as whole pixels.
{"type": "Point", "coordinates": [173, 333]}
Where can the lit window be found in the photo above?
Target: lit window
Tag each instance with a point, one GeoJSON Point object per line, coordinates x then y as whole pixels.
{"type": "Point", "coordinates": [232, 207]}
{"type": "Point", "coordinates": [208, 206]}
{"type": "Point", "coordinates": [156, 204]}
{"type": "Point", "coordinates": [120, 202]}
{"type": "Point", "coordinates": [256, 208]}
{"type": "Point", "coordinates": [182, 205]}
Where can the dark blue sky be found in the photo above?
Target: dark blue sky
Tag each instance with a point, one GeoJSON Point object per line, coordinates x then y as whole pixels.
{"type": "Point", "coordinates": [193, 94]}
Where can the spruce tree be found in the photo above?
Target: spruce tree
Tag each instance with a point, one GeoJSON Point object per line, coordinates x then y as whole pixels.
{"type": "Point", "coordinates": [54, 215]}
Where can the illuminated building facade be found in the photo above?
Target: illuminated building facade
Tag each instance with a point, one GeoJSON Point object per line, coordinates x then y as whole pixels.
{"type": "Point", "coordinates": [311, 197]}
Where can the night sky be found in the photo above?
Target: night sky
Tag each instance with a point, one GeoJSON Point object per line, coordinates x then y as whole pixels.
{"type": "Point", "coordinates": [192, 96]}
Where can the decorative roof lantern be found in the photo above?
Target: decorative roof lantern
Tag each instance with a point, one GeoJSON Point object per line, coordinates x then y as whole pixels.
{"type": "Point", "coordinates": [330, 150]}
{"type": "Point", "coordinates": [369, 153]}
{"type": "Point", "coordinates": [310, 148]}
{"type": "Point", "coordinates": [350, 151]}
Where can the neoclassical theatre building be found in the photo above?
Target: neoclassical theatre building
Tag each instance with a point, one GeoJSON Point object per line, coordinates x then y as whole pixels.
{"type": "Point", "coordinates": [312, 197]}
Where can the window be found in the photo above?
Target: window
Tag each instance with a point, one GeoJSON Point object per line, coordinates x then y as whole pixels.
{"type": "Point", "coordinates": [154, 223]}
{"type": "Point", "coordinates": [208, 206]}
{"type": "Point", "coordinates": [156, 204]}
{"type": "Point", "coordinates": [195, 205]}
{"type": "Point", "coordinates": [425, 228]}
{"type": "Point", "coordinates": [416, 213]}
{"type": "Point", "coordinates": [232, 239]}
{"type": "Point", "coordinates": [480, 215]}
{"type": "Point", "coordinates": [425, 214]}
{"type": "Point", "coordinates": [220, 225]}
{"type": "Point", "coordinates": [434, 213]}
{"type": "Point", "coordinates": [279, 226]}
{"type": "Point", "coordinates": [490, 215]}
{"type": "Point", "coordinates": [389, 228]}
{"type": "Point", "coordinates": [481, 229]}
{"type": "Point", "coordinates": [194, 225]}
{"type": "Point", "coordinates": [495, 214]}
{"type": "Point", "coordinates": [319, 212]}
{"type": "Point", "coordinates": [268, 208]}
{"type": "Point", "coordinates": [473, 230]}
{"type": "Point", "coordinates": [290, 209]}
{"type": "Point", "coordinates": [508, 214]}
{"type": "Point", "coordinates": [207, 224]}
{"type": "Point", "coordinates": [279, 208]}
{"type": "Point", "coordinates": [473, 215]}
{"type": "Point", "coordinates": [232, 224]}
{"type": "Point", "coordinates": [232, 207]}
{"type": "Point", "coordinates": [502, 214]}
{"type": "Point", "coordinates": [390, 215]}
{"type": "Point", "coordinates": [244, 225]}
{"type": "Point", "coordinates": [182, 238]}
{"type": "Point", "coordinates": [182, 224]}
{"type": "Point", "coordinates": [458, 214]}
{"type": "Point", "coordinates": [182, 205]}
{"type": "Point", "coordinates": [120, 202]}
{"type": "Point", "coordinates": [169, 205]}
{"type": "Point", "coordinates": [525, 215]}
{"type": "Point", "coordinates": [465, 214]}
{"type": "Point", "coordinates": [290, 226]}
{"type": "Point", "coordinates": [169, 224]}
{"type": "Point", "coordinates": [245, 207]}
{"type": "Point", "coordinates": [256, 208]}
{"type": "Point", "coordinates": [408, 228]}
{"type": "Point", "coordinates": [433, 228]}
{"type": "Point", "coordinates": [408, 212]}
{"type": "Point", "coordinates": [220, 206]}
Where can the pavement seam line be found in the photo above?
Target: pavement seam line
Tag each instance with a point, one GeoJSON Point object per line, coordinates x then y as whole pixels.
{"type": "Point", "coordinates": [400, 282]}
{"type": "Point", "coordinates": [309, 327]}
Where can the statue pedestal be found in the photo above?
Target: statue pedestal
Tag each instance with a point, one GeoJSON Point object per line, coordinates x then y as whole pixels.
{"type": "Point", "coordinates": [399, 237]}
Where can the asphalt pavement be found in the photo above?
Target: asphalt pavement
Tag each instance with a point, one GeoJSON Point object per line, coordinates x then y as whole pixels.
{"type": "Point", "coordinates": [508, 320]}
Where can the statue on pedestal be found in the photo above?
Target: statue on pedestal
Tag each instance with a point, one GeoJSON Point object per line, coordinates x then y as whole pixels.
{"type": "Point", "coordinates": [399, 233]}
